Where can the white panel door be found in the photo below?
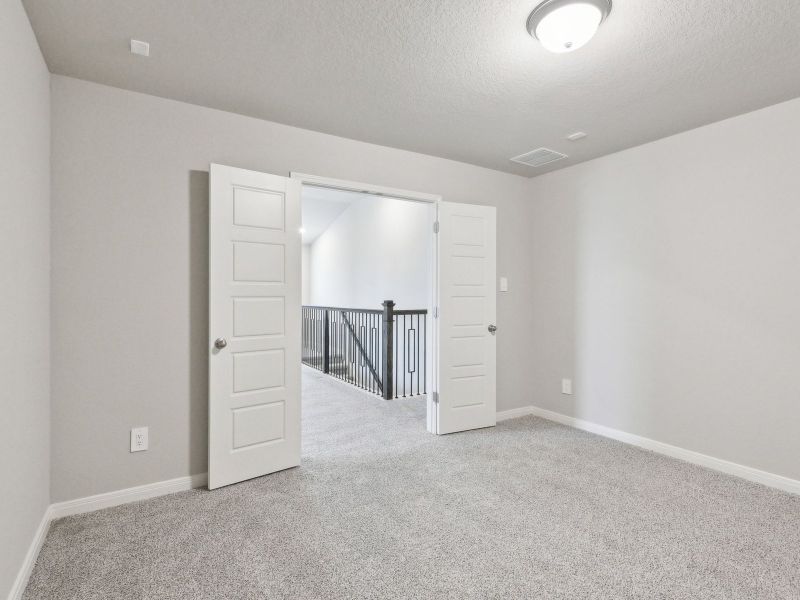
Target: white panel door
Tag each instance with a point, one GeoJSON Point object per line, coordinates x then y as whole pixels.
{"type": "Point", "coordinates": [254, 325]}
{"type": "Point", "coordinates": [467, 312]}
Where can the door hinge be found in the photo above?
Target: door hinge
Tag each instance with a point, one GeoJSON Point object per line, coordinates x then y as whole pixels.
{"type": "Point", "coordinates": [435, 312]}
{"type": "Point", "coordinates": [435, 397]}
{"type": "Point", "coordinates": [436, 227]}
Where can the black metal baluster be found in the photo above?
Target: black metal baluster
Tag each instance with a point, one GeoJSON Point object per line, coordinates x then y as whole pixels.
{"type": "Point", "coordinates": [419, 371]}
{"type": "Point", "coordinates": [371, 351]}
{"type": "Point", "coordinates": [351, 374]}
{"type": "Point", "coordinates": [405, 366]}
{"type": "Point", "coordinates": [410, 356]}
{"type": "Point", "coordinates": [363, 339]}
{"type": "Point", "coordinates": [312, 332]}
{"type": "Point", "coordinates": [363, 334]}
{"type": "Point", "coordinates": [359, 334]}
{"type": "Point", "coordinates": [425, 352]}
{"type": "Point", "coordinates": [350, 355]}
{"type": "Point", "coordinates": [339, 341]}
{"type": "Point", "coordinates": [333, 340]}
{"type": "Point", "coordinates": [406, 384]}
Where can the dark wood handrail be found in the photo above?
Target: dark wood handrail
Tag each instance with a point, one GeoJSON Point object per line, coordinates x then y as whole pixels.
{"type": "Point", "coordinates": [361, 310]}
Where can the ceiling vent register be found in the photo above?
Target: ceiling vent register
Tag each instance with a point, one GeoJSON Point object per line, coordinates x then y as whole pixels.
{"type": "Point", "coordinates": [539, 157]}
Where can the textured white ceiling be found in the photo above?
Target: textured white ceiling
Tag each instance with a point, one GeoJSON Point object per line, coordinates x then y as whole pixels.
{"type": "Point", "coordinates": [455, 78]}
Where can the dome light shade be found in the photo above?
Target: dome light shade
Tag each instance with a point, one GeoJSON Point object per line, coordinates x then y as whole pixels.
{"type": "Point", "coordinates": [566, 25]}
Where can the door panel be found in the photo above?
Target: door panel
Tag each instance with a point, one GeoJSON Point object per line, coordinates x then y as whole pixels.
{"type": "Point", "coordinates": [467, 306]}
{"type": "Point", "coordinates": [254, 304]}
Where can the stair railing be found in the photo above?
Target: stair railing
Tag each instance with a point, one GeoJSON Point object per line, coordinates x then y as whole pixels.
{"type": "Point", "coordinates": [382, 351]}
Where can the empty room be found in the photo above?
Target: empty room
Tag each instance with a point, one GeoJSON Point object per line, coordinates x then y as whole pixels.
{"type": "Point", "coordinates": [370, 299]}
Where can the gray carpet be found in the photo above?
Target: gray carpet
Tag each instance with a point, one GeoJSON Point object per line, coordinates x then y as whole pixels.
{"type": "Point", "coordinates": [381, 509]}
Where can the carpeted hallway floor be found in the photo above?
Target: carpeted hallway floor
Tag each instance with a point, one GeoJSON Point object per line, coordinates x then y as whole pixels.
{"type": "Point", "coordinates": [382, 509]}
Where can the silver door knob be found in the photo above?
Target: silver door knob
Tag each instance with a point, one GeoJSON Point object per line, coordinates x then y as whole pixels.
{"type": "Point", "coordinates": [492, 329]}
{"type": "Point", "coordinates": [220, 343]}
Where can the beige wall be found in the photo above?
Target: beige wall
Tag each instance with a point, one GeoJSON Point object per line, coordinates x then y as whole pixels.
{"type": "Point", "coordinates": [24, 288]}
{"type": "Point", "coordinates": [663, 279]}
{"type": "Point", "coordinates": [666, 281]}
{"type": "Point", "coordinates": [130, 190]}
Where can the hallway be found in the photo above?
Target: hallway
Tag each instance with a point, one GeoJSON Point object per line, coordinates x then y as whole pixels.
{"type": "Point", "coordinates": [341, 421]}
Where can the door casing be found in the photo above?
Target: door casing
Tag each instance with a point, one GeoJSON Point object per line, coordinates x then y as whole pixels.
{"type": "Point", "coordinates": [433, 409]}
{"type": "Point", "coordinates": [413, 196]}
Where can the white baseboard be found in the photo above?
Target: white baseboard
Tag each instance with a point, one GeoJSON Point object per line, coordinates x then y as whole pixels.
{"type": "Point", "coordinates": [505, 415]}
{"type": "Point", "coordinates": [763, 477]}
{"type": "Point", "coordinates": [21, 582]}
{"type": "Point", "coordinates": [141, 492]}
{"type": "Point", "coordinates": [180, 484]}
{"type": "Point", "coordinates": [96, 502]}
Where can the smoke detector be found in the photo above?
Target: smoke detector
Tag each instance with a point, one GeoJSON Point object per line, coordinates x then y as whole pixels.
{"type": "Point", "coordinates": [538, 157]}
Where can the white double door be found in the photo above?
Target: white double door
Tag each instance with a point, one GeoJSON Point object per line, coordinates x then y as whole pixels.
{"type": "Point", "coordinates": [255, 331]}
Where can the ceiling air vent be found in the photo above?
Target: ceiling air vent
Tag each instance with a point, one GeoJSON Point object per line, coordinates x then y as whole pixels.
{"type": "Point", "coordinates": [538, 157]}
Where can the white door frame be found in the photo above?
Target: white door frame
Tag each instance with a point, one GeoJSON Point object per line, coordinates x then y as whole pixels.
{"type": "Point", "coordinates": [432, 376]}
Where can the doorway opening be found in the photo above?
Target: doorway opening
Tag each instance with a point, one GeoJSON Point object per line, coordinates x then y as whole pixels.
{"type": "Point", "coordinates": [367, 304]}
{"type": "Point", "coordinates": [255, 319]}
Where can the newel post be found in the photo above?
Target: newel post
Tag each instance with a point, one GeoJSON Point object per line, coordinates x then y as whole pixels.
{"type": "Point", "coordinates": [387, 341]}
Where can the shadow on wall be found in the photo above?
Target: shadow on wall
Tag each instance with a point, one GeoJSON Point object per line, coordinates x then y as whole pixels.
{"type": "Point", "coordinates": [198, 321]}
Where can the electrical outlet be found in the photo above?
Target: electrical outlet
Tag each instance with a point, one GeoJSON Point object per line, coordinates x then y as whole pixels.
{"type": "Point", "coordinates": [139, 439]}
{"type": "Point", "coordinates": [566, 386]}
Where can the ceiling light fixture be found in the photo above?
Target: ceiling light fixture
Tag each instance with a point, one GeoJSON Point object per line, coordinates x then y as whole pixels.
{"type": "Point", "coordinates": [566, 25]}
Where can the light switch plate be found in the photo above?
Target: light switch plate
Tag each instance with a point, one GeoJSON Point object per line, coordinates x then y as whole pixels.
{"type": "Point", "coordinates": [566, 386]}
{"type": "Point", "coordinates": [504, 284]}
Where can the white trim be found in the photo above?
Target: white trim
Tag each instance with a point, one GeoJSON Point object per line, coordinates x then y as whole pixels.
{"type": "Point", "coordinates": [21, 582]}
{"type": "Point", "coordinates": [365, 188]}
{"type": "Point", "coordinates": [717, 464]}
{"type": "Point", "coordinates": [141, 492]}
{"type": "Point", "coordinates": [91, 503]}
{"type": "Point", "coordinates": [505, 415]}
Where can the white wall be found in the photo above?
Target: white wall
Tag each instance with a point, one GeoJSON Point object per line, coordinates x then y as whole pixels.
{"type": "Point", "coordinates": [24, 288]}
{"type": "Point", "coordinates": [130, 237]}
{"type": "Point", "coordinates": [306, 275]}
{"type": "Point", "coordinates": [378, 249]}
{"type": "Point", "coordinates": [667, 282]}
